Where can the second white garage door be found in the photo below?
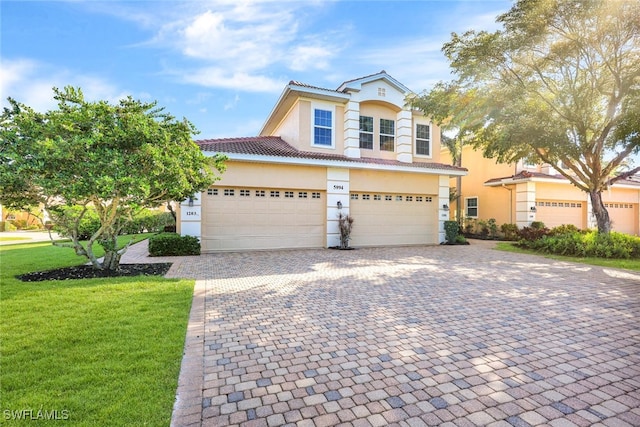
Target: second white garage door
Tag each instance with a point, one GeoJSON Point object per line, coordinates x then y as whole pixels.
{"type": "Point", "coordinates": [393, 219]}
{"type": "Point", "coordinates": [270, 218]}
{"type": "Point", "coordinates": [555, 213]}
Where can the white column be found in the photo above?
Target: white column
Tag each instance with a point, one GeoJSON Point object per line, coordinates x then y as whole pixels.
{"type": "Point", "coordinates": [404, 152]}
{"type": "Point", "coordinates": [443, 200]}
{"type": "Point", "coordinates": [352, 129]}
{"type": "Point", "coordinates": [525, 200]}
{"type": "Point", "coordinates": [191, 217]}
{"type": "Point", "coordinates": [337, 191]}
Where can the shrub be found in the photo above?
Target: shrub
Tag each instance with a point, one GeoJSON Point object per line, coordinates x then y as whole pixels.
{"type": "Point", "coordinates": [451, 230]}
{"type": "Point", "coordinates": [8, 226]}
{"type": "Point", "coordinates": [537, 225]}
{"type": "Point", "coordinates": [510, 231]}
{"type": "Point", "coordinates": [564, 229]}
{"type": "Point", "coordinates": [172, 244]}
{"type": "Point", "coordinates": [528, 235]}
{"type": "Point", "coordinates": [89, 224]}
{"type": "Point", "coordinates": [493, 228]}
{"type": "Point", "coordinates": [588, 244]}
{"type": "Point", "coordinates": [345, 223]}
{"type": "Point", "coordinates": [149, 221]}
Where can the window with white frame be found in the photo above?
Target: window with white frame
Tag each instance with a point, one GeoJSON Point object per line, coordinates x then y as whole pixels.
{"type": "Point", "coordinates": [387, 135]}
{"type": "Point", "coordinates": [471, 207]}
{"type": "Point", "coordinates": [366, 132]}
{"type": "Point", "coordinates": [423, 140]}
{"type": "Point", "coordinates": [322, 127]}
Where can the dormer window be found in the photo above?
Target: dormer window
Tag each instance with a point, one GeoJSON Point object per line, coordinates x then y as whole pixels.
{"type": "Point", "coordinates": [387, 135]}
{"type": "Point", "coordinates": [322, 127]}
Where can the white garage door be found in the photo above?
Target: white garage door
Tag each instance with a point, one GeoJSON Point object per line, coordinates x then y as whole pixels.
{"type": "Point", "coordinates": [393, 219]}
{"type": "Point", "coordinates": [554, 213]}
{"type": "Point", "coordinates": [269, 218]}
{"type": "Point", "coordinates": [624, 217]}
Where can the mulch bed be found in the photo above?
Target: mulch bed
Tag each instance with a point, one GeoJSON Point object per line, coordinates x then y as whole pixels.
{"type": "Point", "coordinates": [88, 272]}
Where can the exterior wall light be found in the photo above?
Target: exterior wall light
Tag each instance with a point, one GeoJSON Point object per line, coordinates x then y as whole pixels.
{"type": "Point", "coordinates": [533, 209]}
{"type": "Point", "coordinates": [339, 204]}
{"type": "Point", "coordinates": [445, 206]}
{"type": "Point", "coordinates": [190, 201]}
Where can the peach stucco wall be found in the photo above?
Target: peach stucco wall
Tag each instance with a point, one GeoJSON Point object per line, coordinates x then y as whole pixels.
{"type": "Point", "coordinates": [393, 182]}
{"type": "Point", "coordinates": [246, 174]}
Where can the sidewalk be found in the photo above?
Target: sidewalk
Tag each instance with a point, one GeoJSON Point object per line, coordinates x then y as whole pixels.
{"type": "Point", "coordinates": [22, 236]}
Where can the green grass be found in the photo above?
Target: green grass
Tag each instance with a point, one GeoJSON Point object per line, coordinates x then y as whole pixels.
{"type": "Point", "coordinates": [13, 239]}
{"type": "Point", "coordinates": [104, 351]}
{"type": "Point", "coordinates": [627, 264]}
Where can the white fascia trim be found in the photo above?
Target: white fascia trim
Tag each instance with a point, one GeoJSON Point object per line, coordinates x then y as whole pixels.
{"type": "Point", "coordinates": [334, 164]}
{"type": "Point", "coordinates": [324, 92]}
{"type": "Point", "coordinates": [552, 181]}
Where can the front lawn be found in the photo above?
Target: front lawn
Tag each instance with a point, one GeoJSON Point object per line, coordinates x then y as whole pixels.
{"type": "Point", "coordinates": [628, 264]}
{"type": "Point", "coordinates": [97, 352]}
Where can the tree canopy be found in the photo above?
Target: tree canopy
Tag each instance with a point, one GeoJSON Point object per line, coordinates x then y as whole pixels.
{"type": "Point", "coordinates": [112, 158]}
{"type": "Point", "coordinates": [559, 83]}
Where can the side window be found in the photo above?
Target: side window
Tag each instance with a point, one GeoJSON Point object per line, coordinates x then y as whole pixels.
{"type": "Point", "coordinates": [322, 131]}
{"type": "Point", "coordinates": [471, 207]}
{"type": "Point", "coordinates": [423, 140]}
{"type": "Point", "coordinates": [387, 135]}
{"type": "Point", "coordinates": [366, 132]}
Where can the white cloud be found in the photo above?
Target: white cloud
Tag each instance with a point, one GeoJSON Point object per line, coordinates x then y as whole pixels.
{"type": "Point", "coordinates": [230, 79]}
{"type": "Point", "coordinates": [31, 83]}
{"type": "Point", "coordinates": [237, 42]}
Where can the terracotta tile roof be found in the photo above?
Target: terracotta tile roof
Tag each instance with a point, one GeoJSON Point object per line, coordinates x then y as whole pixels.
{"type": "Point", "coordinates": [277, 147]}
{"type": "Point", "coordinates": [526, 175]}
{"type": "Point", "coordinates": [297, 83]}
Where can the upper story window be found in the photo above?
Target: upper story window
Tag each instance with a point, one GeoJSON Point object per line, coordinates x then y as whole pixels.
{"type": "Point", "coordinates": [423, 141]}
{"type": "Point", "coordinates": [366, 132]}
{"type": "Point", "coordinates": [387, 135]}
{"type": "Point", "coordinates": [322, 127]}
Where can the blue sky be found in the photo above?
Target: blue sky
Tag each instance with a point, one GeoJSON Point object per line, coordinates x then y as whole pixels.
{"type": "Point", "coordinates": [223, 64]}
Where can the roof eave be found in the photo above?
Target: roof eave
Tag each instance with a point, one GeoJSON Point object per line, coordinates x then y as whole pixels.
{"type": "Point", "coordinates": [292, 92]}
{"type": "Point", "coordinates": [335, 163]}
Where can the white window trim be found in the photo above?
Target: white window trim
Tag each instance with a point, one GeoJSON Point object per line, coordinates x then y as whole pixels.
{"type": "Point", "coordinates": [415, 141]}
{"type": "Point", "coordinates": [466, 206]}
{"type": "Point", "coordinates": [380, 135]}
{"type": "Point", "coordinates": [328, 107]}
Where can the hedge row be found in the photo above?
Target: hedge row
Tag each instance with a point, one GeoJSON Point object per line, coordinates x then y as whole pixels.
{"type": "Point", "coordinates": [172, 244]}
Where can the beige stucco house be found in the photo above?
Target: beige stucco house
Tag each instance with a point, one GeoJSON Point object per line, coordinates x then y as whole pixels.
{"type": "Point", "coordinates": [355, 150]}
{"type": "Point", "coordinates": [521, 193]}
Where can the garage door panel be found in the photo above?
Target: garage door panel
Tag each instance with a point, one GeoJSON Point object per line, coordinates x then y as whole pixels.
{"type": "Point", "coordinates": [262, 219]}
{"type": "Point", "coordinates": [623, 216]}
{"type": "Point", "coordinates": [554, 213]}
{"type": "Point", "coordinates": [391, 219]}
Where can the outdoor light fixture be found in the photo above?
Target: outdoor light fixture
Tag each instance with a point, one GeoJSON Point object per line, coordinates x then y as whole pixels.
{"type": "Point", "coordinates": [190, 201]}
{"type": "Point", "coordinates": [533, 209]}
{"type": "Point", "coordinates": [339, 204]}
{"type": "Point", "coordinates": [445, 206]}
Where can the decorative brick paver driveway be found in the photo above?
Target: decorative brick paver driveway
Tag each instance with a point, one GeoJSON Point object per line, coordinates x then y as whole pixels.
{"type": "Point", "coordinates": [412, 336]}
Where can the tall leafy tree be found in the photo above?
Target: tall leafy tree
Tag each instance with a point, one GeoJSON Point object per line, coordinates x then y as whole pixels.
{"type": "Point", "coordinates": [114, 159]}
{"type": "Point", "coordinates": [559, 83]}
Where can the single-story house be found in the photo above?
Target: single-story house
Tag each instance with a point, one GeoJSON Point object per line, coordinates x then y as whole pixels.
{"type": "Point", "coordinates": [358, 150]}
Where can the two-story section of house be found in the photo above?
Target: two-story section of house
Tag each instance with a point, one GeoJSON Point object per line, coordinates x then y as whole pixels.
{"type": "Point", "coordinates": [520, 193]}
{"type": "Point", "coordinates": [356, 150]}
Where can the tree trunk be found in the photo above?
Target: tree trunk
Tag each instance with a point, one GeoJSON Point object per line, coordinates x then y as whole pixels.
{"type": "Point", "coordinates": [600, 212]}
{"type": "Point", "coordinates": [111, 261]}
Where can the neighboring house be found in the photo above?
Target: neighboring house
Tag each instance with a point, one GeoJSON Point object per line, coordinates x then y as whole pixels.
{"type": "Point", "coordinates": [521, 193]}
{"type": "Point", "coordinates": [355, 150]}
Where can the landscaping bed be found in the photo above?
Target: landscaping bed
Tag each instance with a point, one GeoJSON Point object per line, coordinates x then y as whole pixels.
{"type": "Point", "coordinates": [88, 272]}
